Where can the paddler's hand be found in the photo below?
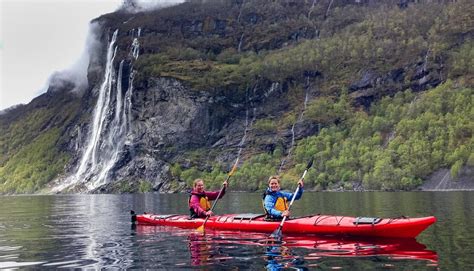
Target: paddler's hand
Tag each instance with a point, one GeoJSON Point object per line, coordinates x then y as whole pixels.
{"type": "Point", "coordinates": [301, 183]}
{"type": "Point", "coordinates": [208, 213]}
{"type": "Point", "coordinates": [225, 184]}
{"type": "Point", "coordinates": [285, 213]}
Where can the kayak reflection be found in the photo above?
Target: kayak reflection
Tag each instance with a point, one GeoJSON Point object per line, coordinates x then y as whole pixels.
{"type": "Point", "coordinates": [210, 247]}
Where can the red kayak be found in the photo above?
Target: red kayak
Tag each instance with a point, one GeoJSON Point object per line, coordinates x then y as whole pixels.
{"type": "Point", "coordinates": [401, 227]}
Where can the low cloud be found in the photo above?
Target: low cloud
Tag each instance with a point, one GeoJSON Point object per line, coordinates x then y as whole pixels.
{"type": "Point", "coordinates": [145, 5]}
{"type": "Point", "coordinates": [74, 78]}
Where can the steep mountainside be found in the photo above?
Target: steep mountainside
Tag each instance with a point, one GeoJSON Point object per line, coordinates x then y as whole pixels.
{"type": "Point", "coordinates": [379, 93]}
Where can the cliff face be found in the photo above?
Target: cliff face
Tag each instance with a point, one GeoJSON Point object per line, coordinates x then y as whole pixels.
{"type": "Point", "coordinates": [188, 89]}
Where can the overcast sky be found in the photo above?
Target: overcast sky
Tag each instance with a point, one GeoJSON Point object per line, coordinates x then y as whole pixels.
{"type": "Point", "coordinates": [39, 37]}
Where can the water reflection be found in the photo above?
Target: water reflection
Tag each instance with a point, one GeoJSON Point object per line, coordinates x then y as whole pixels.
{"type": "Point", "coordinates": [296, 252]}
{"type": "Point", "coordinates": [279, 256]}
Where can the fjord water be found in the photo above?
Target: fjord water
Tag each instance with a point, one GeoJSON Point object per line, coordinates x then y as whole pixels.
{"type": "Point", "coordinates": [94, 231]}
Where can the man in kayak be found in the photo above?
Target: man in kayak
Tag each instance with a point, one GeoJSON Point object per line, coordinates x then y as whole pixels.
{"type": "Point", "coordinates": [199, 201]}
{"type": "Point", "coordinates": [275, 202]}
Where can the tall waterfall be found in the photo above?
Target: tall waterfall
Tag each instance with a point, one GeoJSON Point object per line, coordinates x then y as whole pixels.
{"type": "Point", "coordinates": [110, 130]}
{"type": "Point", "coordinates": [91, 157]}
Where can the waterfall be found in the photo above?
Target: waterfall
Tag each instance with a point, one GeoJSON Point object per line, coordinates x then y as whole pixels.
{"type": "Point", "coordinates": [116, 137]}
{"type": "Point", "coordinates": [89, 158]}
{"type": "Point", "coordinates": [443, 184]}
{"type": "Point", "coordinates": [110, 130]}
{"type": "Point", "coordinates": [274, 87]}
{"type": "Point", "coordinates": [135, 44]}
{"type": "Point", "coordinates": [240, 43]}
{"type": "Point", "coordinates": [311, 9]}
{"type": "Point", "coordinates": [425, 65]}
{"type": "Point", "coordinates": [135, 48]}
{"type": "Point", "coordinates": [298, 120]}
{"type": "Point", "coordinates": [248, 123]}
{"type": "Point", "coordinates": [127, 113]}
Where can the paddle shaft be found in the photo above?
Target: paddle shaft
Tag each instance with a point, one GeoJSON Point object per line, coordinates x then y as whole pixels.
{"type": "Point", "coordinates": [291, 202]}
{"type": "Point", "coordinates": [220, 192]}
{"type": "Point", "coordinates": [218, 195]}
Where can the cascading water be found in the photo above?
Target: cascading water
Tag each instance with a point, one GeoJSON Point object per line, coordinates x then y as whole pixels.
{"type": "Point", "coordinates": [135, 48]}
{"type": "Point", "coordinates": [111, 127]}
{"type": "Point", "coordinates": [272, 89]}
{"type": "Point", "coordinates": [239, 47]}
{"type": "Point", "coordinates": [298, 120]}
{"type": "Point", "coordinates": [136, 44]}
{"type": "Point", "coordinates": [248, 124]}
{"type": "Point", "coordinates": [90, 158]}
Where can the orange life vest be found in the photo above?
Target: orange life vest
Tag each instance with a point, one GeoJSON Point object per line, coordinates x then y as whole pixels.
{"type": "Point", "coordinates": [281, 205]}
{"type": "Point", "coordinates": [203, 201]}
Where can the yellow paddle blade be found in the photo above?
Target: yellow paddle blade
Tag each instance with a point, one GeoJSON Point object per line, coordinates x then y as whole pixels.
{"type": "Point", "coordinates": [234, 168]}
{"type": "Point", "coordinates": [201, 228]}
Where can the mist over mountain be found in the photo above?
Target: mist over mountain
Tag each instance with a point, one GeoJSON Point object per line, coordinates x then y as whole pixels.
{"type": "Point", "coordinates": [378, 93]}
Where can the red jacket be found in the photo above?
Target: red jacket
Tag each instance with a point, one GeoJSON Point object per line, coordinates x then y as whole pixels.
{"type": "Point", "coordinates": [195, 201]}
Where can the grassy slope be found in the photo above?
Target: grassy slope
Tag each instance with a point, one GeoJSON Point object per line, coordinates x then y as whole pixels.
{"type": "Point", "coordinates": [30, 145]}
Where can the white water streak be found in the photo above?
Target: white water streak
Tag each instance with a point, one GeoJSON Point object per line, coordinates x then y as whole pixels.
{"type": "Point", "coordinates": [240, 43]}
{"type": "Point", "coordinates": [111, 127]}
{"type": "Point", "coordinates": [90, 154]}
{"type": "Point", "coordinates": [128, 108]}
{"type": "Point", "coordinates": [272, 89]}
{"type": "Point", "coordinates": [298, 120]}
{"type": "Point", "coordinates": [135, 48]}
{"type": "Point", "coordinates": [444, 182]}
{"type": "Point", "coordinates": [248, 124]}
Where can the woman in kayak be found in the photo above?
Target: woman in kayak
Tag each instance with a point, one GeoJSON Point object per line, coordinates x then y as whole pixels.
{"type": "Point", "coordinates": [199, 201]}
{"type": "Point", "coordinates": [275, 202]}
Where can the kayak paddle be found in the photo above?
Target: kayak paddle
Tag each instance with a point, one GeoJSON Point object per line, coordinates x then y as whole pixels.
{"type": "Point", "coordinates": [201, 228]}
{"type": "Point", "coordinates": [277, 232]}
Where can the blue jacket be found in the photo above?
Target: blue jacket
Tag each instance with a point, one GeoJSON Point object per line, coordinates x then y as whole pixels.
{"type": "Point", "coordinates": [271, 198]}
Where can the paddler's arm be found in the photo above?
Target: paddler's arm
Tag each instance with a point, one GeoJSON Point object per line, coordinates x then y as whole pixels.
{"type": "Point", "coordinates": [289, 195]}
{"type": "Point", "coordinates": [213, 195]}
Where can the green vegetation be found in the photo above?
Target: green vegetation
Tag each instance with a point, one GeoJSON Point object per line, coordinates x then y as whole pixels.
{"type": "Point", "coordinates": [132, 186]}
{"type": "Point", "coordinates": [145, 187]}
{"type": "Point", "coordinates": [383, 40]}
{"type": "Point", "coordinates": [34, 165]}
{"type": "Point", "coordinates": [265, 125]}
{"type": "Point", "coordinates": [402, 140]}
{"type": "Point", "coordinates": [30, 145]}
{"type": "Point", "coordinates": [399, 143]}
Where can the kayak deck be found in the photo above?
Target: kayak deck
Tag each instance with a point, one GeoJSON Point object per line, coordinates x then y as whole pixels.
{"type": "Point", "coordinates": [401, 227]}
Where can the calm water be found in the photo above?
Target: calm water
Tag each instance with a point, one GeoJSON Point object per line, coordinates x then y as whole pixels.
{"type": "Point", "coordinates": [94, 231]}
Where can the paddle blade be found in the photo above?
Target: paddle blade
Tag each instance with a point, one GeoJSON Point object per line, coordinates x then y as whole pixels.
{"type": "Point", "coordinates": [310, 163]}
{"type": "Point", "coordinates": [201, 228]}
{"type": "Point", "coordinates": [234, 168]}
{"type": "Point", "coordinates": [276, 234]}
